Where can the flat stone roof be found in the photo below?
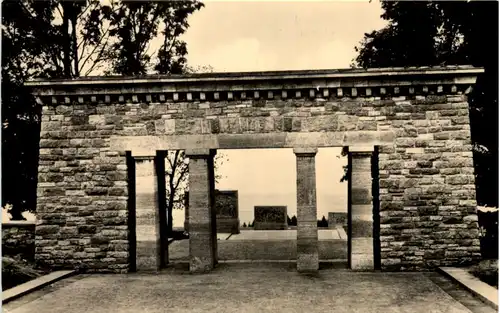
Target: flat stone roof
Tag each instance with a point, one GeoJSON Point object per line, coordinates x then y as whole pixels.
{"type": "Point", "coordinates": [371, 73]}
{"type": "Point", "coordinates": [256, 85]}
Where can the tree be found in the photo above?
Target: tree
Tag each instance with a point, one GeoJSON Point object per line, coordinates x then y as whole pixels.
{"type": "Point", "coordinates": [343, 153]}
{"type": "Point", "coordinates": [448, 33]}
{"type": "Point", "coordinates": [136, 23]}
{"type": "Point", "coordinates": [40, 39]}
{"type": "Point", "coordinates": [64, 39]}
{"type": "Point", "coordinates": [288, 220]}
{"type": "Point", "coordinates": [323, 222]}
{"type": "Point", "coordinates": [293, 221]}
{"type": "Point", "coordinates": [244, 225]}
{"type": "Point", "coordinates": [55, 38]}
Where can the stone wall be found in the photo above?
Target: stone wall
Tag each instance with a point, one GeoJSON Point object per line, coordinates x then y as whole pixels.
{"type": "Point", "coordinates": [427, 191]}
{"type": "Point", "coordinates": [18, 238]}
{"type": "Point", "coordinates": [419, 121]}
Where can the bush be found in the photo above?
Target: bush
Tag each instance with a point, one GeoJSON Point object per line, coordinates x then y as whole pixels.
{"type": "Point", "coordinates": [487, 271]}
{"type": "Point", "coordinates": [488, 224]}
{"type": "Point", "coordinates": [16, 271]}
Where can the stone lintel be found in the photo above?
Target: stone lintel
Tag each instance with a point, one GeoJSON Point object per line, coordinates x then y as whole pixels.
{"type": "Point", "coordinates": [148, 145]}
{"type": "Point", "coordinates": [143, 157]}
{"type": "Point", "coordinates": [361, 150]}
{"type": "Point", "coordinates": [199, 153]}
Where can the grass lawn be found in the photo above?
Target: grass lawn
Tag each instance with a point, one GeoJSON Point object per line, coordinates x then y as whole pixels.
{"type": "Point", "coordinates": [16, 271]}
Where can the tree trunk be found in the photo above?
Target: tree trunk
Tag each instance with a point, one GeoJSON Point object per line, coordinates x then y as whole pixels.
{"type": "Point", "coordinates": [66, 40]}
{"type": "Point", "coordinates": [170, 207]}
{"type": "Point", "coordinates": [74, 42]}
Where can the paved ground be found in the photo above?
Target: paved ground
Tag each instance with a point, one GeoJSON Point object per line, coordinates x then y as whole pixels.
{"type": "Point", "coordinates": [267, 245]}
{"type": "Point", "coordinates": [323, 234]}
{"type": "Point", "coordinates": [243, 288]}
{"type": "Point", "coordinates": [275, 249]}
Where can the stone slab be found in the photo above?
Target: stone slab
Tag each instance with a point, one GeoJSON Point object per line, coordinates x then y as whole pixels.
{"type": "Point", "coordinates": [264, 214]}
{"type": "Point", "coordinates": [226, 210]}
{"type": "Point", "coordinates": [228, 225]}
{"type": "Point", "coordinates": [35, 284]}
{"type": "Point", "coordinates": [223, 236]}
{"type": "Point", "coordinates": [485, 292]}
{"type": "Point", "coordinates": [342, 233]}
{"type": "Point", "coordinates": [337, 219]}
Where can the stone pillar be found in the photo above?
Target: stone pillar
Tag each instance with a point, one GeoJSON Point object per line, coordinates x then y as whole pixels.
{"type": "Point", "coordinates": [148, 237]}
{"type": "Point", "coordinates": [201, 237]}
{"type": "Point", "coordinates": [307, 227]}
{"type": "Point", "coordinates": [361, 252]}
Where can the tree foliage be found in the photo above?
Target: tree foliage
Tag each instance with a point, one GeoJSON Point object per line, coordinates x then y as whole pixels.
{"type": "Point", "coordinates": [292, 221]}
{"type": "Point", "coordinates": [345, 168]}
{"type": "Point", "coordinates": [72, 38]}
{"type": "Point", "coordinates": [427, 33]}
{"type": "Point", "coordinates": [136, 23]}
{"type": "Point", "coordinates": [323, 222]}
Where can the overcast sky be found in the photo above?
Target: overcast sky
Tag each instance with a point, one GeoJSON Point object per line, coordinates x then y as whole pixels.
{"type": "Point", "coordinates": [264, 35]}
{"type": "Point", "coordinates": [269, 177]}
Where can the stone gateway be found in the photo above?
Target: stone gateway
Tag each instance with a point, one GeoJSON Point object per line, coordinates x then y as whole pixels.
{"type": "Point", "coordinates": [411, 178]}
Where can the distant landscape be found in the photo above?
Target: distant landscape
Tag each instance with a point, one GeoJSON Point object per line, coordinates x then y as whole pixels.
{"type": "Point", "coordinates": [335, 202]}
{"type": "Point", "coordinates": [268, 177]}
